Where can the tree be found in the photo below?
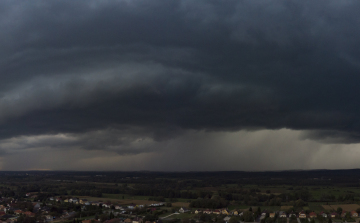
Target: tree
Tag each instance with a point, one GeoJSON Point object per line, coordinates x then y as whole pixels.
{"type": "Point", "coordinates": [348, 215]}
{"type": "Point", "coordinates": [205, 218]}
{"type": "Point", "coordinates": [150, 217]}
{"type": "Point", "coordinates": [320, 218]}
{"type": "Point", "coordinates": [234, 219]}
{"type": "Point", "coordinates": [248, 216]}
{"type": "Point", "coordinates": [293, 217]}
{"type": "Point", "coordinates": [299, 203]}
{"type": "Point", "coordinates": [339, 210]}
{"type": "Point", "coordinates": [104, 217]}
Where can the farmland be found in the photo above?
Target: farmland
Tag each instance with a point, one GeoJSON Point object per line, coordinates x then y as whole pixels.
{"type": "Point", "coordinates": [345, 207]}
{"type": "Point", "coordinates": [234, 191]}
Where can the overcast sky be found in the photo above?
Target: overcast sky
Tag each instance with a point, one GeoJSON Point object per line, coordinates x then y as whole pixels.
{"type": "Point", "coordinates": [179, 85]}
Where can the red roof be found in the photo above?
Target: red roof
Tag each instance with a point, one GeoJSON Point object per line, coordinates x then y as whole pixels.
{"type": "Point", "coordinates": [89, 221]}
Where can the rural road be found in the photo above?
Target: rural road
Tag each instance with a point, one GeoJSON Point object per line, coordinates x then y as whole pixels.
{"type": "Point", "coordinates": [169, 215]}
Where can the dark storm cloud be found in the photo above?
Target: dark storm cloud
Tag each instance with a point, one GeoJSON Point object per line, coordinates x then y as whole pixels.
{"type": "Point", "coordinates": [164, 67]}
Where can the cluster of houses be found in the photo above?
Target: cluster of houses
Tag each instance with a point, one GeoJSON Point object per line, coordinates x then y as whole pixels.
{"type": "Point", "coordinates": [84, 201]}
{"type": "Point", "coordinates": [303, 214]}
{"type": "Point", "coordinates": [223, 211]}
{"type": "Point", "coordinates": [122, 209]}
{"type": "Point", "coordinates": [280, 214]}
{"type": "Point", "coordinates": [10, 211]}
{"type": "Point", "coordinates": [123, 220]}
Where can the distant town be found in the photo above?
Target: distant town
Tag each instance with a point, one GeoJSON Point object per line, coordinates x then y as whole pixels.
{"type": "Point", "coordinates": [153, 197]}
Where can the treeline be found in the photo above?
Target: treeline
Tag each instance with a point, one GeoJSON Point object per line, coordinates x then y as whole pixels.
{"type": "Point", "coordinates": [170, 193]}
{"type": "Point", "coordinates": [209, 203]}
{"type": "Point", "coordinates": [92, 193]}
{"type": "Point", "coordinates": [112, 191]}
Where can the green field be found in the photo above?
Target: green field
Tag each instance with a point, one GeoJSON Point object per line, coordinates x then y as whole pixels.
{"type": "Point", "coordinates": [315, 206]}
{"type": "Point", "coordinates": [182, 216]}
{"type": "Point", "coordinates": [336, 191]}
{"type": "Point", "coordinates": [126, 196]}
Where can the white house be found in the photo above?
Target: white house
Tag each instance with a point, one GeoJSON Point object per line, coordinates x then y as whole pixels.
{"type": "Point", "coordinates": [183, 210]}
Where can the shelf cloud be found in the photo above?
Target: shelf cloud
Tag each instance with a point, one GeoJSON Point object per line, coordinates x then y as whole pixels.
{"type": "Point", "coordinates": [126, 76]}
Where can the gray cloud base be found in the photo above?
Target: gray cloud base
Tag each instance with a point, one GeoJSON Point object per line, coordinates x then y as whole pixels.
{"type": "Point", "coordinates": [155, 69]}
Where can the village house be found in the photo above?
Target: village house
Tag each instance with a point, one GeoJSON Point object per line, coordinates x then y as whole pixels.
{"type": "Point", "coordinates": [207, 211]}
{"type": "Point", "coordinates": [197, 211]}
{"type": "Point", "coordinates": [354, 214]}
{"type": "Point", "coordinates": [118, 207]}
{"type": "Point", "coordinates": [183, 210]}
{"type": "Point", "coordinates": [106, 205]}
{"type": "Point", "coordinates": [282, 214]}
{"type": "Point", "coordinates": [226, 219]}
{"type": "Point", "coordinates": [83, 201]}
{"type": "Point", "coordinates": [216, 212]}
{"type": "Point", "coordinates": [95, 203]}
{"type": "Point", "coordinates": [323, 214]}
{"type": "Point", "coordinates": [272, 215]}
{"type": "Point", "coordinates": [312, 215]}
{"type": "Point", "coordinates": [302, 214]}
{"type": "Point", "coordinates": [235, 212]}
{"type": "Point", "coordinates": [333, 215]}
{"type": "Point", "coordinates": [225, 211]}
